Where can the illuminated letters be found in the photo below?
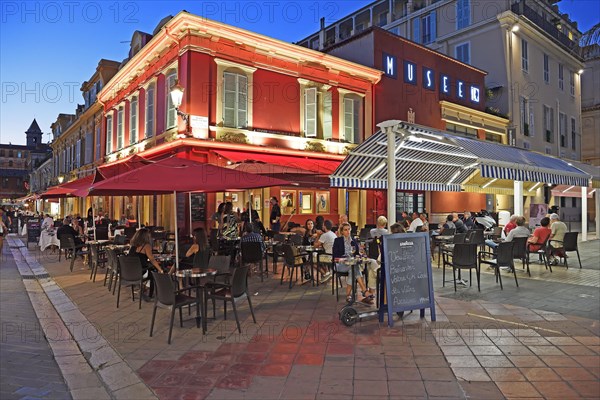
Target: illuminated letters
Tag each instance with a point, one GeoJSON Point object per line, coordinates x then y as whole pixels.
{"type": "Point", "coordinates": [460, 90]}
{"type": "Point", "coordinates": [410, 74]}
{"type": "Point", "coordinates": [445, 84]}
{"type": "Point", "coordinates": [389, 66]}
{"type": "Point", "coordinates": [428, 79]}
{"type": "Point", "coordinates": [474, 94]}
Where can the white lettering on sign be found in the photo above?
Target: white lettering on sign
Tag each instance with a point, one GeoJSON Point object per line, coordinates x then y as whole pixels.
{"type": "Point", "coordinates": [389, 66]}
{"type": "Point", "coordinates": [445, 84]}
{"type": "Point", "coordinates": [475, 94]}
{"type": "Point", "coordinates": [410, 72]}
{"type": "Point", "coordinates": [459, 89]}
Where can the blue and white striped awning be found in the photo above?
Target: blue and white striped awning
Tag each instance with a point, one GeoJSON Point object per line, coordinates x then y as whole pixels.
{"type": "Point", "coordinates": [427, 159]}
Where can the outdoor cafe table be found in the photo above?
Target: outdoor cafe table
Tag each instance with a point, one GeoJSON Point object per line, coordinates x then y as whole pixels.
{"type": "Point", "coordinates": [311, 251]}
{"type": "Point", "coordinates": [441, 240]}
{"type": "Point", "coordinates": [196, 273]}
{"type": "Point", "coordinates": [48, 239]}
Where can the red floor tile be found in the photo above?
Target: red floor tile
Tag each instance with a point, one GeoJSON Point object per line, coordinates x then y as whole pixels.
{"type": "Point", "coordinates": [258, 347]}
{"type": "Point", "coordinates": [286, 348]}
{"type": "Point", "coordinates": [313, 348]}
{"type": "Point", "coordinates": [251, 358]}
{"type": "Point", "coordinates": [281, 358]}
{"type": "Point", "coordinates": [193, 394]}
{"type": "Point", "coordinates": [167, 393]}
{"type": "Point", "coordinates": [215, 367]}
{"type": "Point", "coordinates": [231, 348]}
{"type": "Point", "coordinates": [245, 369]}
{"type": "Point", "coordinates": [558, 390]}
{"type": "Point", "coordinates": [187, 366]}
{"type": "Point", "coordinates": [196, 356]}
{"type": "Point", "coordinates": [234, 382]}
{"type": "Point", "coordinates": [309, 359]}
{"type": "Point", "coordinates": [587, 388]}
{"type": "Point", "coordinates": [517, 389]}
{"type": "Point", "coordinates": [201, 380]}
{"type": "Point", "coordinates": [574, 374]}
{"type": "Point", "coordinates": [540, 374]}
{"type": "Point", "coordinates": [275, 370]}
{"type": "Point", "coordinates": [171, 379]}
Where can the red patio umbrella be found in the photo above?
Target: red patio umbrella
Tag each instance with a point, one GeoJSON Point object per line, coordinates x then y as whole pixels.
{"type": "Point", "coordinates": [172, 175]}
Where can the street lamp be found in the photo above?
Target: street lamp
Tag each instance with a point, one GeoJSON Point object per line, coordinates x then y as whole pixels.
{"type": "Point", "coordinates": [177, 97]}
{"type": "Point", "coordinates": [60, 178]}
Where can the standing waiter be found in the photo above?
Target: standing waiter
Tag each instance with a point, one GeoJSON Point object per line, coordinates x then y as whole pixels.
{"type": "Point", "coordinates": [275, 216]}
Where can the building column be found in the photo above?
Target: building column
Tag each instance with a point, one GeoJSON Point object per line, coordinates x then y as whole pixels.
{"type": "Point", "coordinates": [584, 214]}
{"type": "Point", "coordinates": [518, 198]}
{"type": "Point", "coordinates": [391, 172]}
{"type": "Point", "coordinates": [597, 197]}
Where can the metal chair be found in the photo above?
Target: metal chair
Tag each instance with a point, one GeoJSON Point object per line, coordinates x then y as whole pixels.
{"type": "Point", "coordinates": [112, 268]}
{"type": "Point", "coordinates": [276, 250]}
{"type": "Point", "coordinates": [542, 253]}
{"type": "Point", "coordinates": [131, 274]}
{"type": "Point", "coordinates": [101, 232]}
{"type": "Point", "coordinates": [170, 297]}
{"type": "Point", "coordinates": [520, 251]}
{"type": "Point", "coordinates": [296, 239]}
{"type": "Point", "coordinates": [67, 244]}
{"type": "Point", "coordinates": [293, 261]}
{"type": "Point", "coordinates": [252, 253]}
{"type": "Point", "coordinates": [504, 258]}
{"type": "Point", "coordinates": [568, 244]}
{"type": "Point", "coordinates": [98, 259]}
{"type": "Point", "coordinates": [222, 265]}
{"type": "Point", "coordinates": [464, 256]}
{"type": "Point", "coordinates": [234, 292]}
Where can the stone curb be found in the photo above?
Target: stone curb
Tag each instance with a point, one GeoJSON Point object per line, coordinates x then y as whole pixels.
{"type": "Point", "coordinates": [91, 367]}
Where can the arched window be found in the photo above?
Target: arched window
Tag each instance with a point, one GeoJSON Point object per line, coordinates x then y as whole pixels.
{"type": "Point", "coordinates": [133, 120]}
{"type": "Point", "coordinates": [150, 110]}
{"type": "Point", "coordinates": [171, 119]}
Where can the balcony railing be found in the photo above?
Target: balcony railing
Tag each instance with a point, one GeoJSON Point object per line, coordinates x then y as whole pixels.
{"type": "Point", "coordinates": [523, 9]}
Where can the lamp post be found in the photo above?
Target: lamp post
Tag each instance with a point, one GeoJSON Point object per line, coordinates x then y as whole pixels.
{"type": "Point", "coordinates": [61, 179]}
{"type": "Point", "coordinates": [177, 97]}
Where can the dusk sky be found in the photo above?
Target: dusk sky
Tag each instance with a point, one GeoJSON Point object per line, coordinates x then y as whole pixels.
{"type": "Point", "coordinates": [48, 49]}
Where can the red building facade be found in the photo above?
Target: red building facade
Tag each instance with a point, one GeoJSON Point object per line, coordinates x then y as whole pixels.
{"type": "Point", "coordinates": [247, 97]}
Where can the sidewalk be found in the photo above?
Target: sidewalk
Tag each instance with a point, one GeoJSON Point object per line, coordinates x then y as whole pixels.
{"type": "Point", "coordinates": [299, 350]}
{"type": "Point", "coordinates": [23, 346]}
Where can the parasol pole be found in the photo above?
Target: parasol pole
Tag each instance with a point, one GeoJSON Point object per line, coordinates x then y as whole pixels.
{"type": "Point", "coordinates": [176, 234]}
{"type": "Point", "coordinates": [139, 220]}
{"type": "Point", "coordinates": [94, 221]}
{"type": "Point", "coordinates": [190, 203]}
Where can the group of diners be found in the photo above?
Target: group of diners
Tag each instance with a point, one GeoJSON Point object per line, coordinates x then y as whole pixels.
{"type": "Point", "coordinates": [550, 234]}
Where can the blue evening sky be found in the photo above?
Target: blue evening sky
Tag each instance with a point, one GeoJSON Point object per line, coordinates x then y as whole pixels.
{"type": "Point", "coordinates": [49, 48]}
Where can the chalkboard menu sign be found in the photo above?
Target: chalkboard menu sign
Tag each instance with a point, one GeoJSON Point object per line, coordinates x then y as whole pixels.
{"type": "Point", "coordinates": [181, 208]}
{"type": "Point", "coordinates": [198, 207]}
{"type": "Point", "coordinates": [33, 230]}
{"type": "Point", "coordinates": [407, 262]}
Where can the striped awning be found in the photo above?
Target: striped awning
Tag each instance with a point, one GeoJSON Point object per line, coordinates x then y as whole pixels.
{"type": "Point", "coordinates": [428, 159]}
{"type": "Point", "coordinates": [592, 170]}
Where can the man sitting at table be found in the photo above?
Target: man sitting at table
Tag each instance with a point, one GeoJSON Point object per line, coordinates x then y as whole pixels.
{"type": "Point", "coordinates": [520, 231]}
{"type": "Point", "coordinates": [67, 229]}
{"type": "Point", "coordinates": [251, 236]}
{"type": "Point", "coordinates": [540, 235]}
{"type": "Point", "coordinates": [416, 222]}
{"type": "Point", "coordinates": [373, 265]}
{"type": "Point", "coordinates": [459, 224]}
{"type": "Point", "coordinates": [326, 242]}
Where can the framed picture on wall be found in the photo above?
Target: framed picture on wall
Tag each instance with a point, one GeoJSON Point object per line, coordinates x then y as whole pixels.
{"type": "Point", "coordinates": [306, 206]}
{"type": "Point", "coordinates": [234, 197]}
{"type": "Point", "coordinates": [322, 200]}
{"type": "Point", "coordinates": [287, 201]}
{"type": "Point", "coordinates": [256, 203]}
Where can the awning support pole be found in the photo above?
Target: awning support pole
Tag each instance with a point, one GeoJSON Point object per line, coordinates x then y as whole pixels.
{"type": "Point", "coordinates": [176, 233]}
{"type": "Point", "coordinates": [597, 197]}
{"type": "Point", "coordinates": [518, 198]}
{"type": "Point", "coordinates": [584, 213]}
{"type": "Point", "coordinates": [391, 173]}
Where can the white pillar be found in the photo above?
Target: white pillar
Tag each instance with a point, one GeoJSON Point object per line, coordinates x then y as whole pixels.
{"type": "Point", "coordinates": [584, 214]}
{"type": "Point", "coordinates": [518, 198]}
{"type": "Point", "coordinates": [597, 197]}
{"type": "Point", "coordinates": [391, 172]}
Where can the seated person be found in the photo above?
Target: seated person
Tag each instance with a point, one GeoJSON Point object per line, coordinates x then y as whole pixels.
{"type": "Point", "coordinates": [200, 248]}
{"type": "Point", "coordinates": [425, 226]}
{"type": "Point", "coordinates": [468, 220]}
{"type": "Point", "coordinates": [520, 231]}
{"type": "Point", "coordinates": [397, 228]}
{"type": "Point", "coordinates": [380, 229]}
{"type": "Point", "coordinates": [48, 223]}
{"type": "Point", "coordinates": [459, 224]}
{"type": "Point", "coordinates": [416, 222]}
{"type": "Point", "coordinates": [251, 236]}
{"type": "Point", "coordinates": [511, 224]}
{"type": "Point", "coordinates": [141, 247]}
{"type": "Point", "coordinates": [77, 227]}
{"type": "Point", "coordinates": [557, 236]}
{"type": "Point", "coordinates": [449, 224]}
{"type": "Point", "coordinates": [345, 246]}
{"type": "Point", "coordinates": [540, 235]}
{"type": "Point", "coordinates": [326, 242]}
{"type": "Point", "coordinates": [123, 220]}
{"type": "Point", "coordinates": [67, 229]}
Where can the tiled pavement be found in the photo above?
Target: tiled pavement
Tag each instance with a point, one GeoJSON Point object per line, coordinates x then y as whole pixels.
{"type": "Point", "coordinates": [23, 346]}
{"type": "Point", "coordinates": [299, 350]}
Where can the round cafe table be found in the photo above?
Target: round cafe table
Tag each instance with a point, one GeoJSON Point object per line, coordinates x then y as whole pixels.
{"type": "Point", "coordinates": [197, 273]}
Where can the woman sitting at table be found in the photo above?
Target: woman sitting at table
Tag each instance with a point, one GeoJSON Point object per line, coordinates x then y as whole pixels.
{"type": "Point", "coordinates": [199, 250]}
{"type": "Point", "coordinates": [141, 247]}
{"type": "Point", "coordinates": [77, 227]}
{"type": "Point", "coordinates": [345, 246]}
{"type": "Point", "coordinates": [310, 233]}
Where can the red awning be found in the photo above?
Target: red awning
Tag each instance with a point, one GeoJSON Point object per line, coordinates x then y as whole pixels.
{"type": "Point", "coordinates": [56, 192]}
{"type": "Point", "coordinates": [317, 165]}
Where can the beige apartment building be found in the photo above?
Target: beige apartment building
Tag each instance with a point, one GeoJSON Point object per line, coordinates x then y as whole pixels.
{"type": "Point", "coordinates": [528, 48]}
{"type": "Point", "coordinates": [590, 105]}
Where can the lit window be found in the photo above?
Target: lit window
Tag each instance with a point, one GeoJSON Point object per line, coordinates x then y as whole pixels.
{"type": "Point", "coordinates": [310, 112]}
{"type": "Point", "coordinates": [133, 120]}
{"type": "Point", "coordinates": [171, 111]}
{"type": "Point", "coordinates": [109, 133]}
{"type": "Point", "coordinates": [235, 100]}
{"type": "Point", "coordinates": [120, 128]}
{"type": "Point", "coordinates": [150, 111]}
